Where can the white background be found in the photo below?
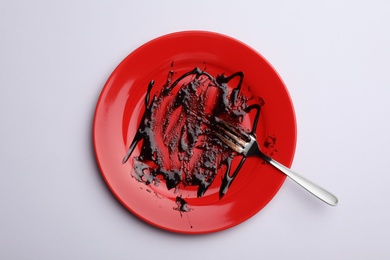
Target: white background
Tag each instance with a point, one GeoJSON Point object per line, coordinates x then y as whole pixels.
{"type": "Point", "coordinates": [55, 57]}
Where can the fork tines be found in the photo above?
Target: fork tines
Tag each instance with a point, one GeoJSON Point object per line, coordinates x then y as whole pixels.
{"type": "Point", "coordinates": [231, 135]}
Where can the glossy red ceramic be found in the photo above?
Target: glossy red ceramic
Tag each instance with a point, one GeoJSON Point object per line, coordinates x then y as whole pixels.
{"type": "Point", "coordinates": [121, 106]}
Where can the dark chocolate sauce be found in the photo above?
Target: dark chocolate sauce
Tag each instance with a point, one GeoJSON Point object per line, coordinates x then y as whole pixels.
{"type": "Point", "coordinates": [270, 145]}
{"type": "Point", "coordinates": [177, 146]}
{"type": "Point", "coordinates": [182, 205]}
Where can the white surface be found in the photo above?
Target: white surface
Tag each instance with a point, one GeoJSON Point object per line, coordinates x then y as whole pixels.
{"type": "Point", "coordinates": [55, 57]}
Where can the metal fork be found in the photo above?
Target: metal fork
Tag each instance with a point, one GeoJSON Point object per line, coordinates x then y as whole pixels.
{"type": "Point", "coordinates": [246, 144]}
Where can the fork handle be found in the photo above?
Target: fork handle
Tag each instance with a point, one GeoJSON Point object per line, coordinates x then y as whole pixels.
{"type": "Point", "coordinates": [313, 188]}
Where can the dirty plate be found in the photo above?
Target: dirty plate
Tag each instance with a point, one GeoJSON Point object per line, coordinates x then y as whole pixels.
{"type": "Point", "coordinates": [121, 108]}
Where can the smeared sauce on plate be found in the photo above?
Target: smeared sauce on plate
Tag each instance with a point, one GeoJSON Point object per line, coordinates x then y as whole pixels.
{"type": "Point", "coordinates": [177, 147]}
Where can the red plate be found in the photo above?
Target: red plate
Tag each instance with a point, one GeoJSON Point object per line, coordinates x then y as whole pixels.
{"type": "Point", "coordinates": [120, 109]}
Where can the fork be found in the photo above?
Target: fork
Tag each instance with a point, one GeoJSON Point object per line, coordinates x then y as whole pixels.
{"type": "Point", "coordinates": [246, 145]}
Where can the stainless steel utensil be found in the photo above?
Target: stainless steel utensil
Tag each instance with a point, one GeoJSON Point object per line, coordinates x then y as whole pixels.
{"type": "Point", "coordinates": [246, 144]}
